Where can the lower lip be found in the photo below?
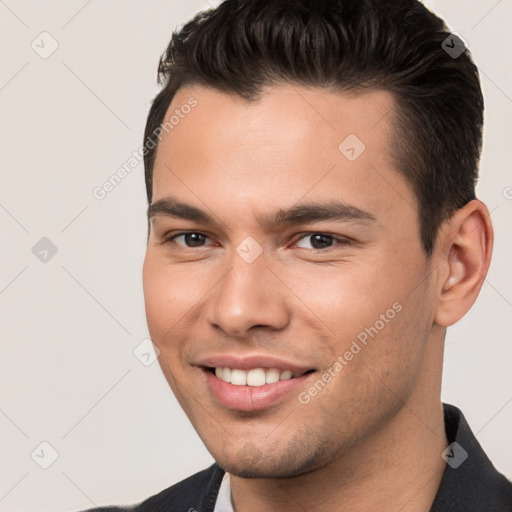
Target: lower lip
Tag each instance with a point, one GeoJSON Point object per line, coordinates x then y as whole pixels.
{"type": "Point", "coordinates": [251, 398]}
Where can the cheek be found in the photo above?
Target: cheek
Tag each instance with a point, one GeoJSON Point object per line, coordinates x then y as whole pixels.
{"type": "Point", "coordinates": [155, 298]}
{"type": "Point", "coordinates": [162, 311]}
{"type": "Point", "coordinates": [370, 317]}
{"type": "Point", "coordinates": [346, 299]}
{"type": "Point", "coordinates": [169, 294]}
{"type": "Point", "coordinates": [392, 351]}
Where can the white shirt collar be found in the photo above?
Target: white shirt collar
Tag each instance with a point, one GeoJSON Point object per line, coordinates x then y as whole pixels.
{"type": "Point", "coordinates": [223, 503]}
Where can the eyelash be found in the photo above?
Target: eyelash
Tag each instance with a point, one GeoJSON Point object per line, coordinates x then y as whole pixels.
{"type": "Point", "coordinates": [339, 240]}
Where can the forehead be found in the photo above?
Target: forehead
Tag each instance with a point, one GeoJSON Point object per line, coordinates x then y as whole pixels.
{"type": "Point", "coordinates": [281, 114]}
{"type": "Point", "coordinates": [290, 143]}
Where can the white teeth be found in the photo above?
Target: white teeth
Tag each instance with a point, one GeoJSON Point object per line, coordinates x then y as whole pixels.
{"type": "Point", "coordinates": [238, 377]}
{"type": "Point", "coordinates": [226, 374]}
{"type": "Point", "coordinates": [272, 376]}
{"type": "Point", "coordinates": [255, 377]}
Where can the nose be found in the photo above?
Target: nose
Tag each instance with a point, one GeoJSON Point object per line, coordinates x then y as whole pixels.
{"type": "Point", "coordinates": [249, 296]}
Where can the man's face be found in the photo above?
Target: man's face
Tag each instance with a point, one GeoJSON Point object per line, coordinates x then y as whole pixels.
{"type": "Point", "coordinates": [258, 289]}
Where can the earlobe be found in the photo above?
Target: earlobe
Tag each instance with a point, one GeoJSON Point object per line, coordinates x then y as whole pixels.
{"type": "Point", "coordinates": [465, 247]}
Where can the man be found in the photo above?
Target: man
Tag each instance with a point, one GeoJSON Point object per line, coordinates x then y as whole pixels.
{"type": "Point", "coordinates": [313, 231]}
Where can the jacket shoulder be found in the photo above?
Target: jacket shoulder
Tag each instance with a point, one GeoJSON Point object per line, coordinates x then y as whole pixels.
{"type": "Point", "coordinates": [197, 493]}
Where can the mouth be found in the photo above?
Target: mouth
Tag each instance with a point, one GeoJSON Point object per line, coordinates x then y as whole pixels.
{"type": "Point", "coordinates": [254, 377]}
{"type": "Point", "coordinates": [254, 389]}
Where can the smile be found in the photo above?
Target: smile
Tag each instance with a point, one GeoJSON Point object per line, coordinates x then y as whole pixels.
{"type": "Point", "coordinates": [254, 377]}
{"type": "Point", "coordinates": [253, 389]}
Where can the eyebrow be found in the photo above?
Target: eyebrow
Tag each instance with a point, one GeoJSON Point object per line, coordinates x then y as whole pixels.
{"type": "Point", "coordinates": [306, 213]}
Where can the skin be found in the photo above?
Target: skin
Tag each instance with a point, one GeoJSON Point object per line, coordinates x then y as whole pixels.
{"type": "Point", "coordinates": [357, 444]}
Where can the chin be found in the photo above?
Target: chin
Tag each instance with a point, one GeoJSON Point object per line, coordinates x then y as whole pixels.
{"type": "Point", "coordinates": [250, 462]}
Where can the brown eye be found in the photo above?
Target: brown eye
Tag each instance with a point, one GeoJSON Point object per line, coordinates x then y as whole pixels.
{"type": "Point", "coordinates": [190, 239]}
{"type": "Point", "coordinates": [319, 241]}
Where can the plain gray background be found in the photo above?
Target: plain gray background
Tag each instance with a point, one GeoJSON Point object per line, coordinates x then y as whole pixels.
{"type": "Point", "coordinates": [70, 324]}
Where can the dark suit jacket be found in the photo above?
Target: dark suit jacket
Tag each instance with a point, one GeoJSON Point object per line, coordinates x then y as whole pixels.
{"type": "Point", "coordinates": [470, 482]}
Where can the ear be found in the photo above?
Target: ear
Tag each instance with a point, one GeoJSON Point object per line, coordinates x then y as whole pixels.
{"type": "Point", "coordinates": [464, 248]}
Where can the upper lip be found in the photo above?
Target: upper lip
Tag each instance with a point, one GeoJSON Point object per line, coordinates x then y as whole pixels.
{"type": "Point", "coordinates": [248, 362]}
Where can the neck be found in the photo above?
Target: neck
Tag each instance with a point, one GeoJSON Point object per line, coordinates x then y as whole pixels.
{"type": "Point", "coordinates": [398, 467]}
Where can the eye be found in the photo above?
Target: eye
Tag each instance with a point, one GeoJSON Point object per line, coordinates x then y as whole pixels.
{"type": "Point", "coordinates": [190, 239]}
{"type": "Point", "coordinates": [318, 241]}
